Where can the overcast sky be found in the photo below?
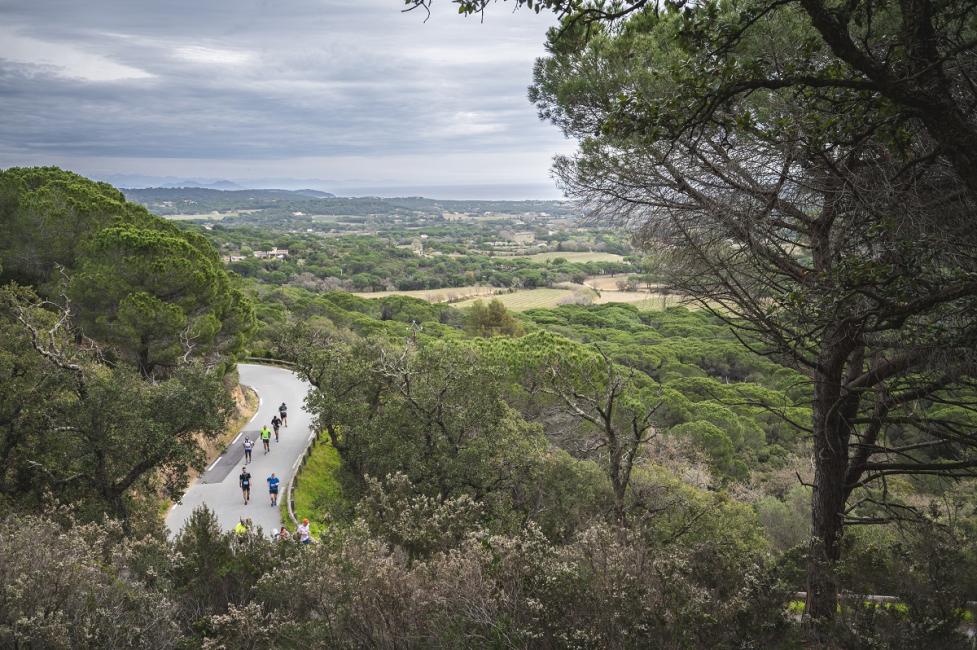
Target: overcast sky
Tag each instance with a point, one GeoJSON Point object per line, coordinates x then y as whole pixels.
{"type": "Point", "coordinates": [353, 93]}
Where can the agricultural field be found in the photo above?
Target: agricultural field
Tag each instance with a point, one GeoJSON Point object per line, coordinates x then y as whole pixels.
{"type": "Point", "coordinates": [607, 282]}
{"type": "Point", "coordinates": [641, 299]}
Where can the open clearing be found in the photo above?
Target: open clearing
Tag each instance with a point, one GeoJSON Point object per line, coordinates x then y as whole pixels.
{"type": "Point", "coordinates": [451, 294]}
{"type": "Point", "coordinates": [544, 298]}
{"type": "Point", "coordinates": [640, 299]}
{"type": "Point", "coordinates": [208, 216]}
{"type": "Point", "coordinates": [572, 257]}
{"type": "Point", "coordinates": [524, 299]}
{"type": "Point", "coordinates": [527, 299]}
{"type": "Point", "coordinates": [609, 282]}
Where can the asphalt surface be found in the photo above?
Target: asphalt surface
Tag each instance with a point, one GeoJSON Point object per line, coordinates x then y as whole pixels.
{"type": "Point", "coordinates": [217, 487]}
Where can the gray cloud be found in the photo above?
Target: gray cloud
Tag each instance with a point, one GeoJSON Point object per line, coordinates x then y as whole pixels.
{"type": "Point", "coordinates": [350, 90]}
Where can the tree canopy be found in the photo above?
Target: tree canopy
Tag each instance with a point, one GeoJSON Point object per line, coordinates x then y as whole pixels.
{"type": "Point", "coordinates": [150, 292]}
{"type": "Point", "coordinates": [814, 212]}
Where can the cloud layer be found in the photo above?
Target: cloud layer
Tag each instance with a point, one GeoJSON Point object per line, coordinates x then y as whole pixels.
{"type": "Point", "coordinates": [348, 90]}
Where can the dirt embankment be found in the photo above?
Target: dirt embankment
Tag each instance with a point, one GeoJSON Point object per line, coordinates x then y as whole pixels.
{"type": "Point", "coordinates": [246, 405]}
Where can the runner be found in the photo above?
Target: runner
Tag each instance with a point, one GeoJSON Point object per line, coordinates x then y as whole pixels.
{"type": "Point", "coordinates": [273, 488]}
{"type": "Point", "coordinates": [248, 446]}
{"type": "Point", "coordinates": [266, 438]}
{"type": "Point", "coordinates": [283, 411]}
{"type": "Point", "coordinates": [244, 480]}
{"type": "Point", "coordinates": [241, 527]}
{"type": "Point", "coordinates": [275, 424]}
{"type": "Point", "coordinates": [303, 532]}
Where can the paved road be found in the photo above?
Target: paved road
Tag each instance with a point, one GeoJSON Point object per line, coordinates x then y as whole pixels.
{"type": "Point", "coordinates": [218, 486]}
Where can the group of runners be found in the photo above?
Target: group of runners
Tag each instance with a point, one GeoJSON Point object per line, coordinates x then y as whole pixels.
{"type": "Point", "coordinates": [302, 532]}
{"type": "Point", "coordinates": [244, 480]}
{"type": "Point", "coordinates": [277, 422]}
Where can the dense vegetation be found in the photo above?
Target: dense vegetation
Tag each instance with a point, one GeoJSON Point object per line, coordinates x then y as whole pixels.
{"type": "Point", "coordinates": [369, 244]}
{"type": "Point", "coordinates": [373, 263]}
{"type": "Point", "coordinates": [585, 476]}
{"type": "Point", "coordinates": [763, 149]}
{"type": "Point", "coordinates": [117, 331]}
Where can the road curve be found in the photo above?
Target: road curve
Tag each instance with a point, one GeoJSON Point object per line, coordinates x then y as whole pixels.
{"type": "Point", "coordinates": [217, 487]}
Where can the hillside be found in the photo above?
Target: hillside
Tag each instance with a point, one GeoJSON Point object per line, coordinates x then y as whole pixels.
{"type": "Point", "coordinates": [479, 471]}
{"type": "Point", "coordinates": [167, 201]}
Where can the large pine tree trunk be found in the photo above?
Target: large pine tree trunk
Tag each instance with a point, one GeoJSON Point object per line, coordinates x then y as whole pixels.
{"type": "Point", "coordinates": [831, 437]}
{"type": "Point", "coordinates": [827, 505]}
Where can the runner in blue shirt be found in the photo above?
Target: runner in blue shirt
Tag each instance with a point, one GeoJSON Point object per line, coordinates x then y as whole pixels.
{"type": "Point", "coordinates": [273, 488]}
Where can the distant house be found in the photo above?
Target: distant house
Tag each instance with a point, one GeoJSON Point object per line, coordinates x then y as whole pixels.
{"type": "Point", "coordinates": [274, 253]}
{"type": "Point", "coordinates": [233, 258]}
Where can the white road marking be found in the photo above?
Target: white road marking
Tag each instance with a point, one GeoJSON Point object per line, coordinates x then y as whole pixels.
{"type": "Point", "coordinates": [238, 437]}
{"type": "Point", "coordinates": [215, 463]}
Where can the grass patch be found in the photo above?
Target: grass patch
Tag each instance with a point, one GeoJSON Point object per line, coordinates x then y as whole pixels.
{"type": "Point", "coordinates": [318, 494]}
{"type": "Point", "coordinates": [525, 299]}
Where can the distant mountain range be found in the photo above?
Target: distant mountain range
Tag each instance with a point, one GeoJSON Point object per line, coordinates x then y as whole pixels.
{"type": "Point", "coordinates": [141, 182]}
{"type": "Point", "coordinates": [217, 185]}
{"type": "Point", "coordinates": [289, 204]}
{"type": "Point", "coordinates": [182, 196]}
{"type": "Point", "coordinates": [228, 186]}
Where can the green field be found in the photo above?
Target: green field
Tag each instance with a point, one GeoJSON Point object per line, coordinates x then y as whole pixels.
{"type": "Point", "coordinates": [526, 299]}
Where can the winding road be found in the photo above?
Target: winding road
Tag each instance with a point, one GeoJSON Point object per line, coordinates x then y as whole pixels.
{"type": "Point", "coordinates": [217, 487]}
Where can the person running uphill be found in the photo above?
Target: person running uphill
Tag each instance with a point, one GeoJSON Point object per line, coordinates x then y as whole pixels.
{"type": "Point", "coordinates": [266, 438]}
{"type": "Point", "coordinates": [275, 424]}
{"type": "Point", "coordinates": [273, 482]}
{"type": "Point", "coordinates": [244, 480]}
{"type": "Point", "coordinates": [283, 412]}
{"type": "Point", "coordinates": [248, 446]}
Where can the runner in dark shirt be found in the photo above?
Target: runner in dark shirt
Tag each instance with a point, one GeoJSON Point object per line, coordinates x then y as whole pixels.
{"type": "Point", "coordinates": [244, 480]}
